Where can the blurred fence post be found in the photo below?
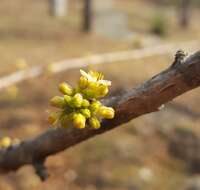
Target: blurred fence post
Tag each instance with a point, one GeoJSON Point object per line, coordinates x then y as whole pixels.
{"type": "Point", "coordinates": [87, 15]}
{"type": "Point", "coordinates": [58, 8]}
{"type": "Point", "coordinates": [184, 13]}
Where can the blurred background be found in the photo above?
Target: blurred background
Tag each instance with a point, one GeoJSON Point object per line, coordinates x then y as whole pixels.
{"type": "Point", "coordinates": [45, 42]}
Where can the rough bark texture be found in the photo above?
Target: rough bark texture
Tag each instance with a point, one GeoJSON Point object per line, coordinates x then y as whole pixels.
{"type": "Point", "coordinates": [146, 98]}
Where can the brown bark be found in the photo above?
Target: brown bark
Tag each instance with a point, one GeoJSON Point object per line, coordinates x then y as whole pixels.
{"type": "Point", "coordinates": [87, 15]}
{"type": "Point", "coordinates": [185, 13]}
{"type": "Point", "coordinates": [146, 98]}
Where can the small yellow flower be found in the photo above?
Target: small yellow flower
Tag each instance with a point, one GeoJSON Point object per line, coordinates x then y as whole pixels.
{"type": "Point", "coordinates": [86, 113]}
{"type": "Point", "coordinates": [5, 142]}
{"type": "Point", "coordinates": [102, 90]}
{"type": "Point", "coordinates": [67, 99]}
{"type": "Point", "coordinates": [80, 105]}
{"type": "Point", "coordinates": [95, 105]}
{"type": "Point", "coordinates": [95, 77]}
{"type": "Point", "coordinates": [106, 112]}
{"type": "Point", "coordinates": [83, 82]}
{"type": "Point", "coordinates": [94, 122]}
{"type": "Point", "coordinates": [77, 100]}
{"type": "Point", "coordinates": [58, 102]}
{"type": "Point", "coordinates": [53, 117]}
{"type": "Point", "coordinates": [65, 89]}
{"type": "Point", "coordinates": [85, 103]}
{"type": "Point", "coordinates": [79, 120]}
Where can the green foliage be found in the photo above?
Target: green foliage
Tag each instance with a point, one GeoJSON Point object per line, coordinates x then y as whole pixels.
{"type": "Point", "coordinates": [80, 106]}
{"type": "Point", "coordinates": [159, 25]}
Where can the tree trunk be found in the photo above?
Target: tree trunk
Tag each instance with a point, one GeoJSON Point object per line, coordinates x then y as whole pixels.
{"type": "Point", "coordinates": [58, 8]}
{"type": "Point", "coordinates": [87, 15]}
{"type": "Point", "coordinates": [184, 13]}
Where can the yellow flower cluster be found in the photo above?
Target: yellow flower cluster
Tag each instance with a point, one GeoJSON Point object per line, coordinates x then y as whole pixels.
{"type": "Point", "coordinates": [80, 106]}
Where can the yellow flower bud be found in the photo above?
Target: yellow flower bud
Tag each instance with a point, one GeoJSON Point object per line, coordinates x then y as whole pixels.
{"type": "Point", "coordinates": [58, 102]}
{"type": "Point", "coordinates": [85, 103]}
{"type": "Point", "coordinates": [83, 82]}
{"type": "Point", "coordinates": [106, 112]}
{"type": "Point", "coordinates": [94, 106]}
{"type": "Point", "coordinates": [5, 142]}
{"type": "Point", "coordinates": [77, 100]}
{"type": "Point", "coordinates": [93, 86]}
{"type": "Point", "coordinates": [65, 88]}
{"type": "Point", "coordinates": [67, 99]}
{"type": "Point", "coordinates": [102, 90]}
{"type": "Point", "coordinates": [94, 122]}
{"type": "Point", "coordinates": [79, 121]}
{"type": "Point", "coordinates": [53, 117]}
{"type": "Point", "coordinates": [86, 113]}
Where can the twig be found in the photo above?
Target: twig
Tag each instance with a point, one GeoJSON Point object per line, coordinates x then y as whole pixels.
{"type": "Point", "coordinates": [145, 98]}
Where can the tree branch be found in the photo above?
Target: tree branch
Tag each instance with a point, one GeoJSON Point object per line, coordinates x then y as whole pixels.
{"type": "Point", "coordinates": [146, 98]}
